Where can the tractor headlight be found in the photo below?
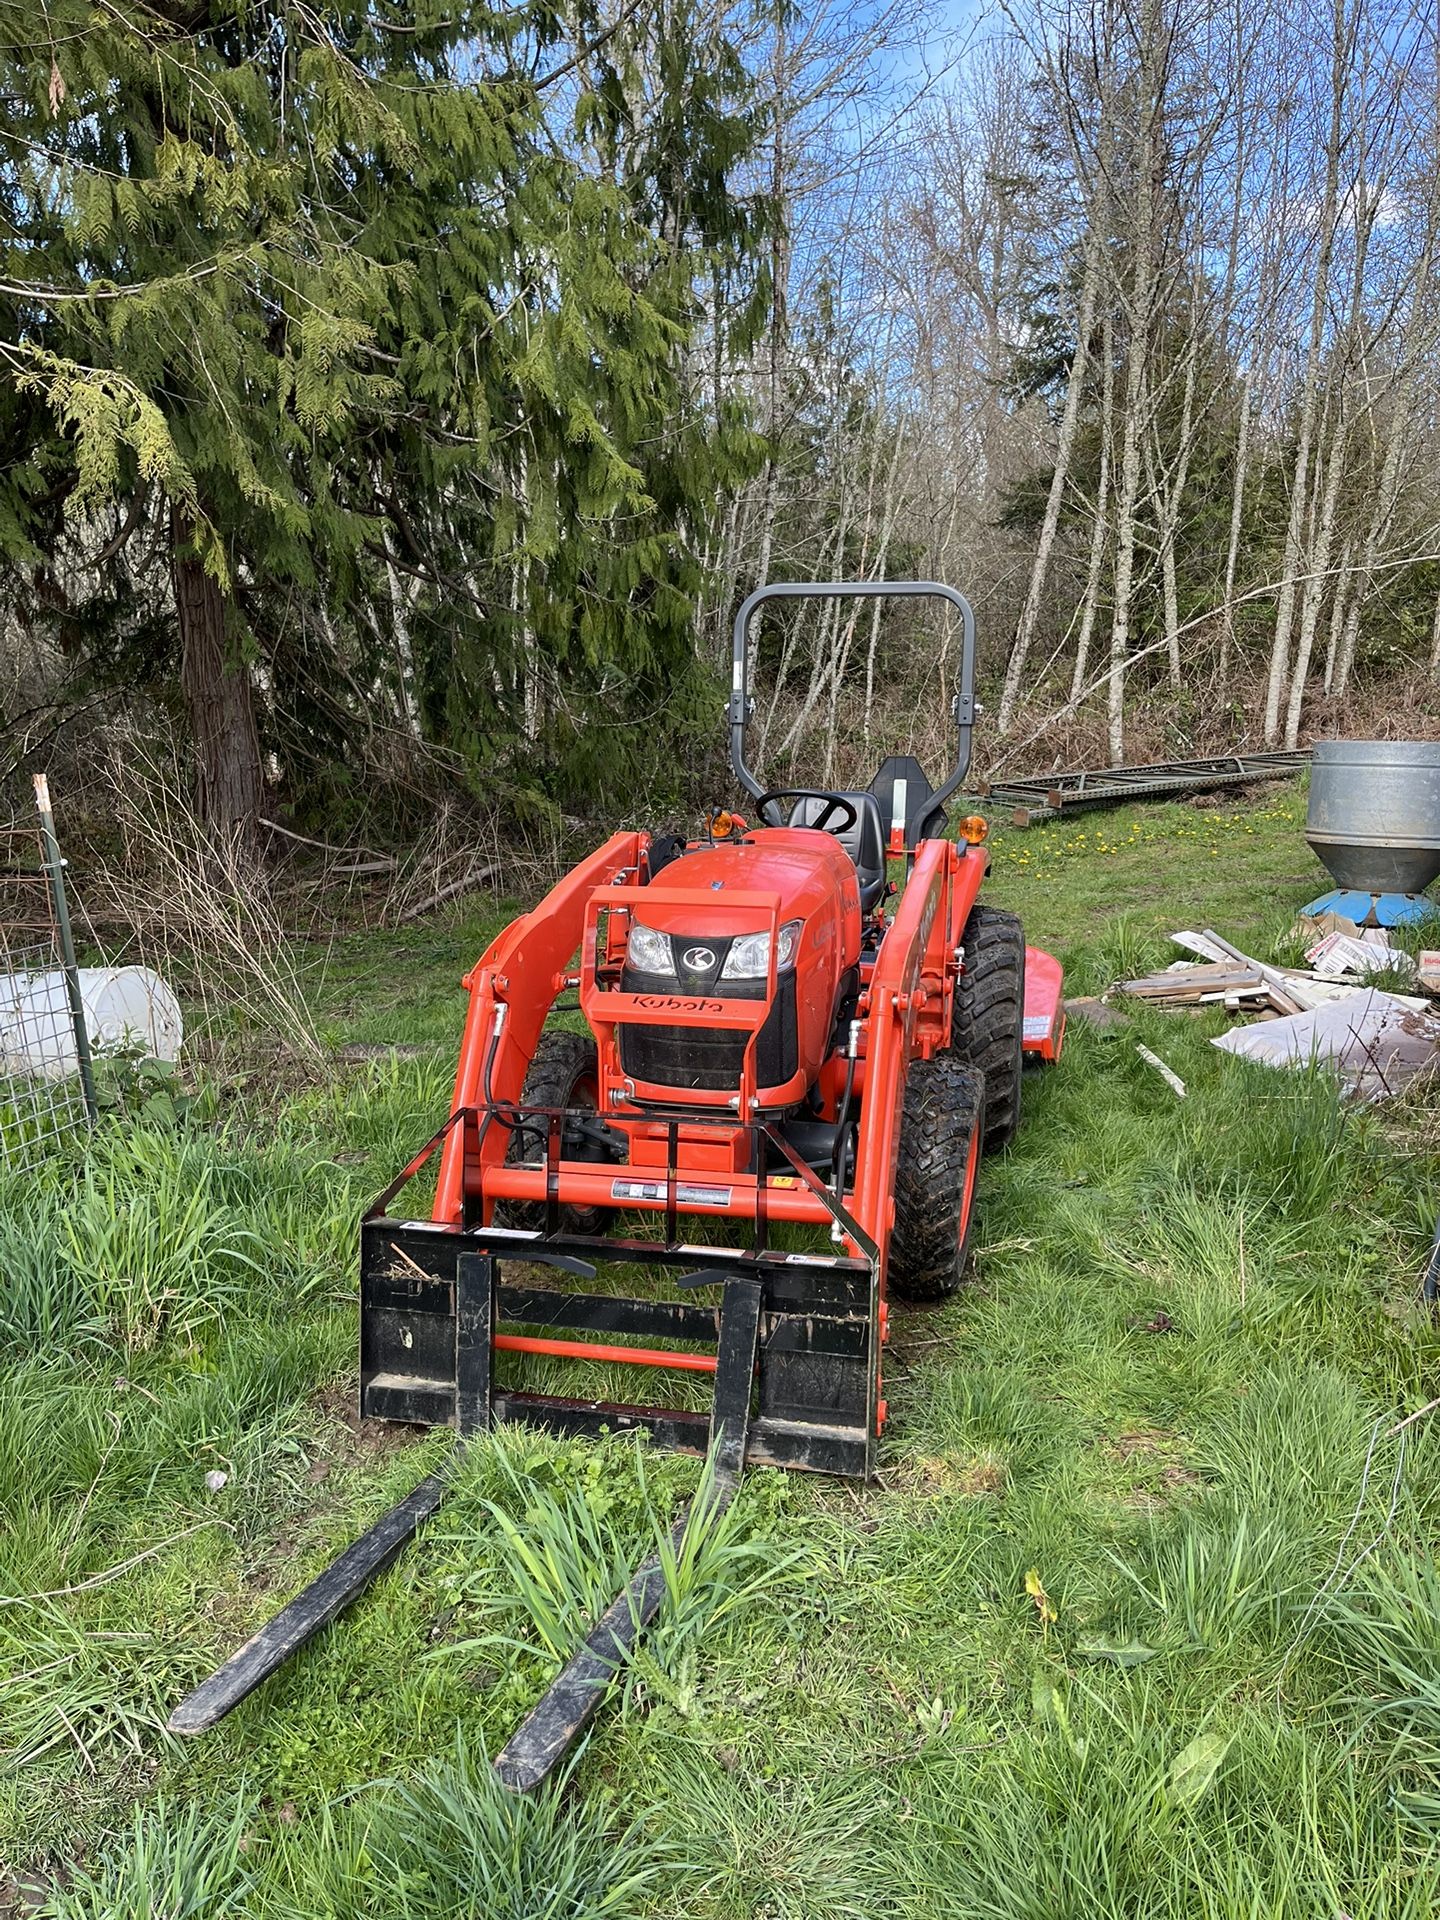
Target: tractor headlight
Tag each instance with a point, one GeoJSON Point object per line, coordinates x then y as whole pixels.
{"type": "Point", "coordinates": [648, 950]}
{"type": "Point", "coordinates": [749, 955]}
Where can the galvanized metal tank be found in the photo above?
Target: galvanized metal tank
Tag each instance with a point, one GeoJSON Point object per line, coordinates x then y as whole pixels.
{"type": "Point", "coordinates": [1375, 813]}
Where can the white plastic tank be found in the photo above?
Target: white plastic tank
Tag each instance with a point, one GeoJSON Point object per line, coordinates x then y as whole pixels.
{"type": "Point", "coordinates": [125, 1008]}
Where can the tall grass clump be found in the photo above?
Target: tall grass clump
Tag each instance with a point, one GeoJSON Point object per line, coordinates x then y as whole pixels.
{"type": "Point", "coordinates": [72, 1690]}
{"type": "Point", "coordinates": [158, 1233]}
{"type": "Point", "coordinates": [568, 1552]}
{"type": "Point", "coordinates": [174, 1864]}
{"type": "Point", "coordinates": [1379, 1634]}
{"type": "Point", "coordinates": [1281, 1139]}
{"type": "Point", "coordinates": [1292, 1445]}
{"type": "Point", "coordinates": [821, 1840]}
{"type": "Point", "coordinates": [1120, 1812]}
{"type": "Point", "coordinates": [453, 1844]}
{"type": "Point", "coordinates": [1215, 1580]}
{"type": "Point", "coordinates": [159, 1254]}
{"type": "Point", "coordinates": [44, 1299]}
{"type": "Point", "coordinates": [144, 1245]}
{"type": "Point", "coordinates": [1125, 948]}
{"type": "Point", "coordinates": [382, 1115]}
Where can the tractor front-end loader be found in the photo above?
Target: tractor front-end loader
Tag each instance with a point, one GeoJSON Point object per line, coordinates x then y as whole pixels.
{"type": "Point", "coordinates": [802, 1032]}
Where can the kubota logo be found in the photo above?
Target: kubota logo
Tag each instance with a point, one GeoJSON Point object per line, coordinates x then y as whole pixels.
{"type": "Point", "coordinates": [673, 1003]}
{"type": "Point", "coordinates": [697, 959]}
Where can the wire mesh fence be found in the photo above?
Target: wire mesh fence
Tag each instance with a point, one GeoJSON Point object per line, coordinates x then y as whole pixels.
{"type": "Point", "coordinates": [46, 1092]}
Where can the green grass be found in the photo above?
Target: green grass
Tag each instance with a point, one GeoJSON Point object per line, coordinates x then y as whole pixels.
{"type": "Point", "coordinates": [1169, 1403]}
{"type": "Point", "coordinates": [1105, 887]}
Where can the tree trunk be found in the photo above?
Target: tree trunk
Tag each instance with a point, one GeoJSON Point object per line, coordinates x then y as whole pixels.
{"type": "Point", "coordinates": [1172, 500]}
{"type": "Point", "coordinates": [1279, 677]}
{"type": "Point", "coordinates": [1346, 664]}
{"type": "Point", "coordinates": [1127, 501]}
{"type": "Point", "coordinates": [1341, 601]}
{"type": "Point", "coordinates": [1126, 509]}
{"type": "Point", "coordinates": [1240, 208]}
{"type": "Point", "coordinates": [1148, 168]}
{"type": "Point", "coordinates": [401, 599]}
{"type": "Point", "coordinates": [1321, 547]}
{"type": "Point", "coordinates": [229, 785]}
{"type": "Point", "coordinates": [778, 333]}
{"type": "Point", "coordinates": [1237, 510]}
{"type": "Point", "coordinates": [1419, 342]}
{"type": "Point", "coordinates": [1100, 530]}
{"type": "Point", "coordinates": [1025, 633]}
{"type": "Point", "coordinates": [1323, 544]}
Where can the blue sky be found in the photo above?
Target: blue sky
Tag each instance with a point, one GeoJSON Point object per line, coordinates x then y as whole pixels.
{"type": "Point", "coordinates": [951, 23]}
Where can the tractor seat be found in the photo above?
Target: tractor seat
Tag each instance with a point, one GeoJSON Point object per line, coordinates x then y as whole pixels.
{"type": "Point", "coordinates": [864, 840]}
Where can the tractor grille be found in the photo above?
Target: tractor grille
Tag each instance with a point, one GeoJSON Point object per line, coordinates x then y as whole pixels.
{"type": "Point", "coordinates": [699, 1058]}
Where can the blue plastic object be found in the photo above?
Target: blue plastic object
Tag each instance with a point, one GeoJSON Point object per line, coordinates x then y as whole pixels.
{"type": "Point", "coordinates": [1375, 909]}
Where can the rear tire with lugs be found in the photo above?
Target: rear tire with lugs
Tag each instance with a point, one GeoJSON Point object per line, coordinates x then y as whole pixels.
{"type": "Point", "coordinates": [987, 1027]}
{"type": "Point", "coordinates": [940, 1138]}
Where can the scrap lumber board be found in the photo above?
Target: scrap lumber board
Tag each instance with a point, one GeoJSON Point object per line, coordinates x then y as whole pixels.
{"type": "Point", "coordinates": [1195, 986]}
{"type": "Point", "coordinates": [1210, 946]}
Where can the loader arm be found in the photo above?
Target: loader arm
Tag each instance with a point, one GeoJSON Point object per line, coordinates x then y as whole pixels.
{"type": "Point", "coordinates": [908, 1016]}
{"type": "Point", "coordinates": [512, 988]}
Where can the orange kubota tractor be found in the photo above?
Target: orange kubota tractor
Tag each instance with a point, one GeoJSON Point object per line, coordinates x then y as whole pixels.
{"type": "Point", "coordinates": [781, 1036]}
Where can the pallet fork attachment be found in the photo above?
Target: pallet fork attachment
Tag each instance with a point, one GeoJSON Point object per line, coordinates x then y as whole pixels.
{"type": "Point", "coordinates": [474, 1305]}
{"type": "Point", "coordinates": [326, 1596]}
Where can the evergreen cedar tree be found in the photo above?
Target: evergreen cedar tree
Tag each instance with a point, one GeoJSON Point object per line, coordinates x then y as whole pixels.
{"type": "Point", "coordinates": [302, 302]}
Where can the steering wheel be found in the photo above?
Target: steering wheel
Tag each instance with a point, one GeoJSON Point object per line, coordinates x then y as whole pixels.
{"type": "Point", "coordinates": [835, 803]}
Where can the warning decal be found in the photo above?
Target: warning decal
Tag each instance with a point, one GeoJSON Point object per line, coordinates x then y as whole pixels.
{"type": "Point", "coordinates": [687, 1194]}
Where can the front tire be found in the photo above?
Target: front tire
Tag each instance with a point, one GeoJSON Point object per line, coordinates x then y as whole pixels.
{"type": "Point", "coordinates": [941, 1128]}
{"type": "Point", "coordinates": [987, 1026]}
{"type": "Point", "coordinates": [564, 1072]}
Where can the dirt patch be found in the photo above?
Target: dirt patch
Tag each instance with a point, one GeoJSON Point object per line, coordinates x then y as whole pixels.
{"type": "Point", "coordinates": [351, 1441]}
{"type": "Point", "coordinates": [978, 1476]}
{"type": "Point", "coordinates": [1146, 1442]}
{"type": "Point", "coordinates": [1156, 1456]}
{"type": "Point", "coordinates": [23, 1894]}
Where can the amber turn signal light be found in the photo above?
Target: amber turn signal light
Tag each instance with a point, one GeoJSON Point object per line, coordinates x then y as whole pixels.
{"type": "Point", "coordinates": [973, 828]}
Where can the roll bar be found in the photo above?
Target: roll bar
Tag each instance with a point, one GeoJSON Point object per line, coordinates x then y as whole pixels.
{"type": "Point", "coordinates": [963, 704]}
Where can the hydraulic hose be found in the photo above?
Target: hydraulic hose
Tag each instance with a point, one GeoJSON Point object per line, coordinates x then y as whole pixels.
{"type": "Point", "coordinates": [842, 1114]}
{"type": "Point", "coordinates": [505, 1111]}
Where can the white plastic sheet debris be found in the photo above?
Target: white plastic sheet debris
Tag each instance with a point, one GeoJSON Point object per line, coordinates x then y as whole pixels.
{"type": "Point", "coordinates": [1377, 1042]}
{"type": "Point", "coordinates": [125, 1007]}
